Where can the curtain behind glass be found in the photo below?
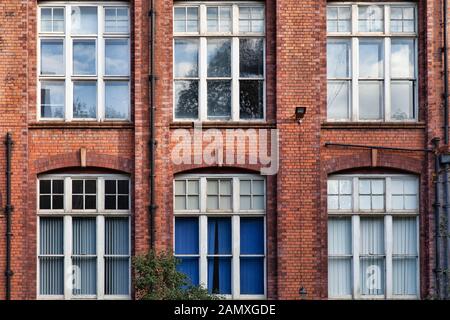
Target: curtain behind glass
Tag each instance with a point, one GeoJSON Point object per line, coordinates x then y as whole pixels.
{"type": "Point", "coordinates": [51, 261]}
{"type": "Point", "coordinates": [339, 257]}
{"type": "Point", "coordinates": [404, 256]}
{"type": "Point", "coordinates": [84, 258]}
{"type": "Point", "coordinates": [116, 256]}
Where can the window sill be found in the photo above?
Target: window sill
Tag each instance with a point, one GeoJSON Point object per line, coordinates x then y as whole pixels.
{"type": "Point", "coordinates": [81, 125]}
{"type": "Point", "coordinates": [373, 125]}
{"type": "Point", "coordinates": [224, 124]}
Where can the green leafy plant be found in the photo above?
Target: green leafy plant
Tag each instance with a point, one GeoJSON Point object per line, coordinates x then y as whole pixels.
{"type": "Point", "coordinates": [157, 278]}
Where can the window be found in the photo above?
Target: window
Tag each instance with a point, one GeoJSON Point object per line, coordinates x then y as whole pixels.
{"type": "Point", "coordinates": [84, 68]}
{"type": "Point", "coordinates": [84, 231]}
{"type": "Point", "coordinates": [372, 62]}
{"type": "Point", "coordinates": [219, 62]}
{"type": "Point", "coordinates": [373, 236]}
{"type": "Point", "coordinates": [220, 233]}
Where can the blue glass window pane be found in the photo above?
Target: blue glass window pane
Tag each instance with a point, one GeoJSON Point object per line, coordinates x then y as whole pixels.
{"type": "Point", "coordinates": [189, 266]}
{"type": "Point", "coordinates": [219, 275]}
{"type": "Point", "coordinates": [252, 236]}
{"type": "Point", "coordinates": [219, 236]}
{"type": "Point", "coordinates": [186, 236]}
{"type": "Point", "coordinates": [252, 275]}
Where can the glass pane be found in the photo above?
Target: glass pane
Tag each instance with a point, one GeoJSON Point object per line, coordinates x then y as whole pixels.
{"type": "Point", "coordinates": [186, 58]}
{"type": "Point", "coordinates": [372, 276]}
{"type": "Point", "coordinates": [123, 186]}
{"type": "Point", "coordinates": [344, 26]}
{"type": "Point", "coordinates": [186, 99]}
{"type": "Point", "coordinates": [213, 19]}
{"type": "Point", "coordinates": [377, 202]}
{"type": "Point", "coordinates": [219, 99]}
{"type": "Point", "coordinates": [180, 187]}
{"type": "Point", "coordinates": [252, 275]}
{"type": "Point", "coordinates": [339, 277]}
{"type": "Point", "coordinates": [332, 26]}
{"type": "Point", "coordinates": [84, 236]}
{"type": "Point", "coordinates": [117, 236]}
{"type": "Point", "coordinates": [397, 203]}
{"type": "Point", "coordinates": [110, 202]}
{"type": "Point", "coordinates": [333, 186]}
{"type": "Point", "coordinates": [377, 186]}
{"type": "Point", "coordinates": [396, 13]}
{"type": "Point", "coordinates": [51, 236]}
{"type": "Point", "coordinates": [371, 100]}
{"type": "Point", "coordinates": [117, 275]}
{"type": "Point", "coordinates": [179, 26]}
{"type": "Point", "coordinates": [225, 203]}
{"type": "Point", "coordinates": [371, 59]}
{"type": "Point", "coordinates": [345, 202]}
{"type": "Point", "coordinates": [404, 276]}
{"type": "Point", "coordinates": [212, 187]}
{"type": "Point", "coordinates": [84, 99]}
{"type": "Point", "coordinates": [408, 26]}
{"type": "Point", "coordinates": [251, 58]}
{"type": "Point", "coordinates": [180, 13]}
{"type": "Point", "coordinates": [77, 186]}
{"type": "Point", "coordinates": [52, 99]}
{"type": "Point", "coordinates": [193, 187]}
{"type": "Point", "coordinates": [225, 187]}
{"type": "Point", "coordinates": [332, 13]}
{"type": "Point", "coordinates": [117, 100]}
{"type": "Point", "coordinates": [45, 186]}
{"type": "Point", "coordinates": [371, 18]}
{"type": "Point", "coordinates": [123, 202]}
{"type": "Point", "coordinates": [345, 187]}
{"type": "Point", "coordinates": [193, 203]}
{"type": "Point", "coordinates": [251, 99]}
{"type": "Point", "coordinates": [189, 266]}
{"type": "Point", "coordinates": [84, 20]}
{"type": "Point", "coordinates": [192, 13]}
{"type": "Point", "coordinates": [180, 203]}
{"type": "Point", "coordinates": [338, 58]}
{"type": "Point", "coordinates": [90, 202]}
{"type": "Point", "coordinates": [85, 276]}
{"type": "Point", "coordinates": [117, 57]}
{"type": "Point", "coordinates": [338, 99]}
{"type": "Point", "coordinates": [333, 202]}
{"type": "Point", "coordinates": [58, 202]}
{"type": "Point", "coordinates": [45, 202]}
{"type": "Point", "coordinates": [402, 58]}
{"type": "Point", "coordinates": [212, 202]}
{"type": "Point", "coordinates": [252, 236]}
{"type": "Point", "coordinates": [219, 236]}
{"type": "Point", "coordinates": [219, 275]}
{"type": "Point", "coordinates": [246, 202]}
{"type": "Point", "coordinates": [244, 13]}
{"type": "Point", "coordinates": [225, 19]}
{"type": "Point", "coordinates": [404, 231]}
{"type": "Point", "coordinates": [244, 25]}
{"type": "Point", "coordinates": [258, 187]}
{"type": "Point", "coordinates": [372, 236]}
{"type": "Point", "coordinates": [402, 100]}
{"type": "Point", "coordinates": [219, 58]}
{"type": "Point", "coordinates": [186, 236]}
{"type": "Point", "coordinates": [110, 186]}
{"type": "Point", "coordinates": [46, 19]}
{"type": "Point", "coordinates": [58, 186]}
{"type": "Point", "coordinates": [340, 236]}
{"type": "Point", "coordinates": [84, 57]}
{"type": "Point", "coordinates": [365, 203]}
{"type": "Point", "coordinates": [51, 275]}
{"type": "Point", "coordinates": [258, 202]}
{"type": "Point", "coordinates": [344, 13]}
{"type": "Point", "coordinates": [52, 57]}
{"type": "Point", "coordinates": [364, 186]}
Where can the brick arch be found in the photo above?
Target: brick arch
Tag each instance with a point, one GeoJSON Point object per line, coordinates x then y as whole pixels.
{"type": "Point", "coordinates": [93, 159]}
{"type": "Point", "coordinates": [252, 169]}
{"type": "Point", "coordinates": [364, 160]}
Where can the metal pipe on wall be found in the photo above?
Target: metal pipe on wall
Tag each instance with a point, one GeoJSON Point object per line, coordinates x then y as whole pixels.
{"type": "Point", "coordinates": [8, 212]}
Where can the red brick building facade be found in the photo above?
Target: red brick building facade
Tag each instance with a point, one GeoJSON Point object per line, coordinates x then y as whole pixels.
{"type": "Point", "coordinates": [295, 211]}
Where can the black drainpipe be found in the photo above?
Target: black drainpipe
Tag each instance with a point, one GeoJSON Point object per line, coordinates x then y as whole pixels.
{"type": "Point", "coordinates": [152, 142]}
{"type": "Point", "coordinates": [437, 217]}
{"type": "Point", "coordinates": [8, 211]}
{"type": "Point", "coordinates": [446, 166]}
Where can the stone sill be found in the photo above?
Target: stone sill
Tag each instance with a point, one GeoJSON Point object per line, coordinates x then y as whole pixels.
{"type": "Point", "coordinates": [373, 125]}
{"type": "Point", "coordinates": [224, 125]}
{"type": "Point", "coordinates": [81, 125]}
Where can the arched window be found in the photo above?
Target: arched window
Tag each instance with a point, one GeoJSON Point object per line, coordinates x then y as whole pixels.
{"type": "Point", "coordinates": [373, 236]}
{"type": "Point", "coordinates": [84, 236]}
{"type": "Point", "coordinates": [220, 232]}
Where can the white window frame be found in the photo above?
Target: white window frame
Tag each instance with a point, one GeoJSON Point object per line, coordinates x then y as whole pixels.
{"type": "Point", "coordinates": [235, 214]}
{"type": "Point", "coordinates": [100, 214]}
{"type": "Point", "coordinates": [100, 78]}
{"type": "Point", "coordinates": [388, 215]}
{"type": "Point", "coordinates": [386, 36]}
{"type": "Point", "coordinates": [202, 77]}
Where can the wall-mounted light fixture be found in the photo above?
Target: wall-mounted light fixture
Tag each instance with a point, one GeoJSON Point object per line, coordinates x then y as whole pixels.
{"type": "Point", "coordinates": [302, 292]}
{"type": "Point", "coordinates": [300, 113]}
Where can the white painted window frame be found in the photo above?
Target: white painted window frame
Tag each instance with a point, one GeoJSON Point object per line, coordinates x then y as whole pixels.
{"type": "Point", "coordinates": [235, 214]}
{"type": "Point", "coordinates": [100, 78]}
{"type": "Point", "coordinates": [100, 214]}
{"type": "Point", "coordinates": [386, 36]}
{"type": "Point", "coordinates": [202, 78]}
{"type": "Point", "coordinates": [388, 215]}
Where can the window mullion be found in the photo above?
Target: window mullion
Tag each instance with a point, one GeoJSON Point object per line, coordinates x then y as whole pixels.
{"type": "Point", "coordinates": [101, 193]}
{"type": "Point", "coordinates": [203, 67]}
{"type": "Point", "coordinates": [235, 79]}
{"type": "Point", "coordinates": [355, 75]}
{"type": "Point", "coordinates": [68, 269]}
{"type": "Point", "coordinates": [100, 257]}
{"type": "Point", "coordinates": [235, 193]}
{"type": "Point", "coordinates": [235, 275]}
{"type": "Point", "coordinates": [387, 79]}
{"type": "Point", "coordinates": [203, 235]}
{"type": "Point", "coordinates": [388, 250]}
{"type": "Point", "coordinates": [356, 249]}
{"type": "Point", "coordinates": [100, 66]}
{"type": "Point", "coordinates": [68, 59]}
{"type": "Point", "coordinates": [67, 194]}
